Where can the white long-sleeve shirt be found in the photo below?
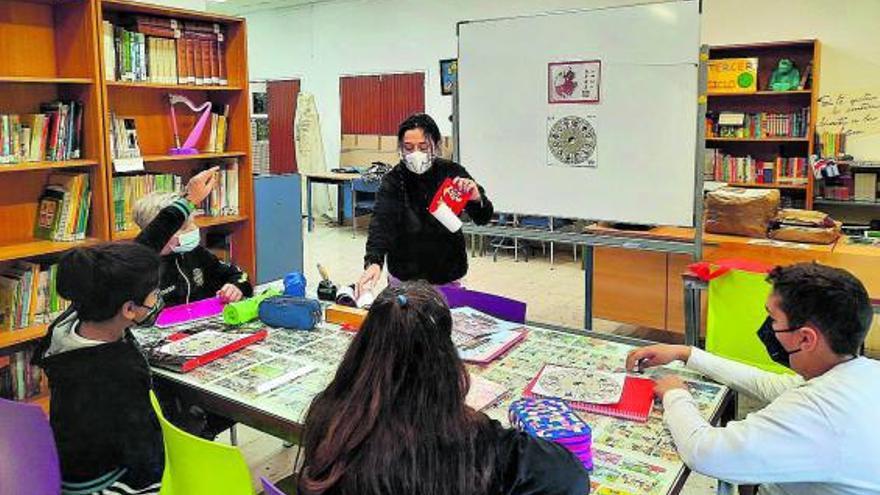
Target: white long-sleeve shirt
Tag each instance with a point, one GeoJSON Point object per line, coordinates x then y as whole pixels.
{"type": "Point", "coordinates": [820, 436]}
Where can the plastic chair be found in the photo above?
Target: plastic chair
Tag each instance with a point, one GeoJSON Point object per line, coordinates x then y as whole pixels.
{"type": "Point", "coordinates": [737, 293]}
{"type": "Point", "coordinates": [27, 449]}
{"type": "Point", "coordinates": [269, 488]}
{"type": "Point", "coordinates": [194, 466]}
{"type": "Point", "coordinates": [497, 306]}
{"type": "Point", "coordinates": [362, 186]}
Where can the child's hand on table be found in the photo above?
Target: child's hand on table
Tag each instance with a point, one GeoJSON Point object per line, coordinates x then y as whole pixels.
{"type": "Point", "coordinates": [230, 293]}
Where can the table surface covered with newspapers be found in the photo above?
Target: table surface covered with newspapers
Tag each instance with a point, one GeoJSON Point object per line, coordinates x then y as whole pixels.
{"type": "Point", "coordinates": [270, 384]}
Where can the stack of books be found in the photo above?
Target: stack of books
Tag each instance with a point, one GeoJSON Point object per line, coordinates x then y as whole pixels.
{"type": "Point", "coordinates": [165, 51]}
{"type": "Point", "coordinates": [28, 296]}
{"type": "Point", "coordinates": [63, 210]}
{"type": "Point", "coordinates": [54, 134]}
{"type": "Point", "coordinates": [19, 380]}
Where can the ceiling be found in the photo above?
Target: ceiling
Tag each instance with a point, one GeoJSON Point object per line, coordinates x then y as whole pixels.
{"type": "Point", "coordinates": [240, 7]}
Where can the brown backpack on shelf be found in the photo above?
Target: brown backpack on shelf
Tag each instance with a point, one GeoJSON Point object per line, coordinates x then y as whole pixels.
{"type": "Point", "coordinates": [740, 211]}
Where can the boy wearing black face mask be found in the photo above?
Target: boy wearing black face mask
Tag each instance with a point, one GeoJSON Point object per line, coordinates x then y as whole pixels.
{"type": "Point", "coordinates": [108, 437]}
{"type": "Point", "coordinates": [818, 434]}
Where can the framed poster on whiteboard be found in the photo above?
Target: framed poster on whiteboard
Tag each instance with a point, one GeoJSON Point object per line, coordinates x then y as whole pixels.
{"type": "Point", "coordinates": [574, 82]}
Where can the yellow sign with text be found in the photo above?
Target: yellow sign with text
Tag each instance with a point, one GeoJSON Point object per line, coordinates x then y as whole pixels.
{"type": "Point", "coordinates": [733, 75]}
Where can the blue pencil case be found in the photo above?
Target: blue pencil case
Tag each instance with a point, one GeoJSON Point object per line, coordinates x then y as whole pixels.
{"type": "Point", "coordinates": [298, 313]}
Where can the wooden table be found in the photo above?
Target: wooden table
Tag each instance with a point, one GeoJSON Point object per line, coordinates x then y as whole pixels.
{"type": "Point", "coordinates": [630, 457]}
{"type": "Point", "coordinates": [333, 178]}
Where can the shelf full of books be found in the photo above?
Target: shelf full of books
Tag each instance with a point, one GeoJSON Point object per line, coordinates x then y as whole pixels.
{"type": "Point", "coordinates": [760, 125]}
{"type": "Point", "coordinates": [28, 296]}
{"type": "Point", "coordinates": [53, 134]}
{"type": "Point", "coordinates": [128, 189]}
{"type": "Point", "coordinates": [19, 379]}
{"type": "Point", "coordinates": [163, 50]}
{"type": "Point", "coordinates": [749, 170]}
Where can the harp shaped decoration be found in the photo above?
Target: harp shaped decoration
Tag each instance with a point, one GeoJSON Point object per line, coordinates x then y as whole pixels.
{"type": "Point", "coordinates": [189, 146]}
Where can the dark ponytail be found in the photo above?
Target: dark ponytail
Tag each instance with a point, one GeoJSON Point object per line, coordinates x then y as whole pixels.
{"type": "Point", "coordinates": [99, 279]}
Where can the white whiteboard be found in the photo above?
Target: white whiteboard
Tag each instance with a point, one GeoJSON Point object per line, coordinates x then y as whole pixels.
{"type": "Point", "coordinates": [646, 119]}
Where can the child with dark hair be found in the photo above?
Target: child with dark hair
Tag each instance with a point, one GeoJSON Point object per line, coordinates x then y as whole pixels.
{"type": "Point", "coordinates": [394, 418]}
{"type": "Point", "coordinates": [818, 432]}
{"type": "Point", "coordinates": [108, 437]}
{"type": "Point", "coordinates": [105, 429]}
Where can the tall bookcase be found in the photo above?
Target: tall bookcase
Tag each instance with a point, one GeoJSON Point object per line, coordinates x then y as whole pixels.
{"type": "Point", "coordinates": [802, 53]}
{"type": "Point", "coordinates": [53, 49]}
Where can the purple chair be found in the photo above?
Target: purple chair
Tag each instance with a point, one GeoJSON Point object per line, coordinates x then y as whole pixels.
{"type": "Point", "coordinates": [497, 306]}
{"type": "Point", "coordinates": [269, 488]}
{"type": "Point", "coordinates": [27, 449]}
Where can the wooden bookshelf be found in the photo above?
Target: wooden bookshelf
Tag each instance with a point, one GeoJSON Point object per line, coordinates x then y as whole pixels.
{"type": "Point", "coordinates": [41, 400]}
{"type": "Point", "coordinates": [770, 185]}
{"type": "Point", "coordinates": [203, 222]}
{"type": "Point", "coordinates": [147, 103]}
{"type": "Point", "coordinates": [27, 166]}
{"type": "Point", "coordinates": [844, 202]}
{"type": "Point", "coordinates": [200, 156]}
{"type": "Point", "coordinates": [48, 51]}
{"type": "Point", "coordinates": [22, 335]}
{"type": "Point", "coordinates": [759, 140]}
{"type": "Point", "coordinates": [756, 94]}
{"type": "Point", "coordinates": [803, 53]}
{"type": "Point", "coordinates": [175, 87]}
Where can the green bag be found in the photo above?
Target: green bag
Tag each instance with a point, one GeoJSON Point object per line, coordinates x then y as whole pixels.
{"type": "Point", "coordinates": [737, 301]}
{"type": "Point", "coordinates": [246, 310]}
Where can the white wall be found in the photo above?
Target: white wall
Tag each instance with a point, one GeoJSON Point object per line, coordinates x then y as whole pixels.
{"type": "Point", "coordinates": [322, 41]}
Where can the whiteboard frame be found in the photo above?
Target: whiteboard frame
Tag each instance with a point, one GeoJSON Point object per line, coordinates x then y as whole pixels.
{"type": "Point", "coordinates": [699, 152]}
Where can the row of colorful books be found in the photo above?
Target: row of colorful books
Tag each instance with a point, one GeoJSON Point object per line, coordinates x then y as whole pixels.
{"type": "Point", "coordinates": [166, 51]}
{"type": "Point", "coordinates": [54, 134]}
{"type": "Point", "coordinates": [727, 168]}
{"type": "Point", "coordinates": [19, 380]}
{"type": "Point", "coordinates": [28, 296]}
{"type": "Point", "coordinates": [757, 125]}
{"type": "Point", "coordinates": [127, 189]}
{"type": "Point", "coordinates": [64, 206]}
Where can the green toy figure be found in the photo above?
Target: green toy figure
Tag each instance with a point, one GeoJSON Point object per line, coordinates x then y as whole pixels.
{"type": "Point", "coordinates": [786, 77]}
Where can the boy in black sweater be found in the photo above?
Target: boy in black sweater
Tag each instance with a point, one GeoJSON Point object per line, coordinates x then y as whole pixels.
{"type": "Point", "coordinates": [107, 435]}
{"type": "Point", "coordinates": [189, 271]}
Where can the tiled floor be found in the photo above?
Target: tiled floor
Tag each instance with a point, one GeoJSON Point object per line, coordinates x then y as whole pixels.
{"type": "Point", "coordinates": [554, 294]}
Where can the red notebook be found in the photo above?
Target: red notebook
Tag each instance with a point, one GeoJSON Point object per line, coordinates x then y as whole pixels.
{"type": "Point", "coordinates": [635, 404]}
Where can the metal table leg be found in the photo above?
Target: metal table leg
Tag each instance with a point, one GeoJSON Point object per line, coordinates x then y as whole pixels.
{"type": "Point", "coordinates": [311, 221]}
{"type": "Point", "coordinates": [588, 287]}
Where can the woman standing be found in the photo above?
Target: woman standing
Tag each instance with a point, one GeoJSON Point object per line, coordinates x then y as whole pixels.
{"type": "Point", "coordinates": [417, 245]}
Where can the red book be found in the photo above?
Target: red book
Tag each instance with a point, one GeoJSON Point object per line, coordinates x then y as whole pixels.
{"type": "Point", "coordinates": [635, 403]}
{"type": "Point", "coordinates": [207, 70]}
{"type": "Point", "coordinates": [196, 58]}
{"type": "Point", "coordinates": [182, 66]}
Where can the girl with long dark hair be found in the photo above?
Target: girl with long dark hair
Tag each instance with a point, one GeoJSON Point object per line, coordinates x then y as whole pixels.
{"type": "Point", "coordinates": [394, 418]}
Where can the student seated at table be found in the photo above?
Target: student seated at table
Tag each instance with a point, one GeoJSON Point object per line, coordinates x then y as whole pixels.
{"type": "Point", "coordinates": [819, 432]}
{"type": "Point", "coordinates": [394, 418]}
{"type": "Point", "coordinates": [189, 271]}
{"type": "Point", "coordinates": [107, 435]}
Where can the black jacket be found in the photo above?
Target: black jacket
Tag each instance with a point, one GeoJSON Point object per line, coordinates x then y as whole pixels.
{"type": "Point", "coordinates": [418, 246]}
{"type": "Point", "coordinates": [101, 414]}
{"type": "Point", "coordinates": [192, 276]}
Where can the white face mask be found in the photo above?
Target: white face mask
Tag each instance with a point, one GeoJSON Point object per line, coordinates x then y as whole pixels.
{"type": "Point", "coordinates": [187, 241]}
{"type": "Point", "coordinates": [418, 162]}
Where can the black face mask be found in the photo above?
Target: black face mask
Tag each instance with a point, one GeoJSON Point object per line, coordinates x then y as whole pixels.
{"type": "Point", "coordinates": [152, 315]}
{"type": "Point", "coordinates": [778, 353]}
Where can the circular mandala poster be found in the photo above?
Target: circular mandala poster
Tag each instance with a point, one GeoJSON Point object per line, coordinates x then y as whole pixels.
{"type": "Point", "coordinates": [572, 141]}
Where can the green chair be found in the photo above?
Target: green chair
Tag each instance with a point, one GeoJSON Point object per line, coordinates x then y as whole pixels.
{"type": "Point", "coordinates": [737, 298]}
{"type": "Point", "coordinates": [194, 466]}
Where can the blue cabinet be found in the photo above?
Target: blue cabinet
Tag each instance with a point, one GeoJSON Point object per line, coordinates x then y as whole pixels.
{"type": "Point", "coordinates": [279, 222]}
